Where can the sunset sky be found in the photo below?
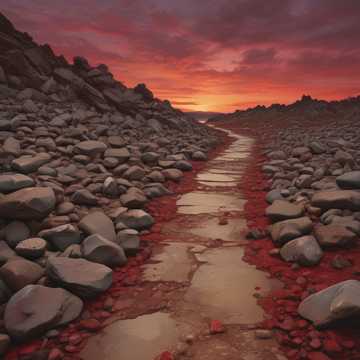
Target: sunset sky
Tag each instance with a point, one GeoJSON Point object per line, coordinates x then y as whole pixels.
{"type": "Point", "coordinates": [208, 55]}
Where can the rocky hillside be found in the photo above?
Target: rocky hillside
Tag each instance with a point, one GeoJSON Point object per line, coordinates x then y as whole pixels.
{"type": "Point", "coordinates": [306, 109]}
{"type": "Point", "coordinates": [80, 156]}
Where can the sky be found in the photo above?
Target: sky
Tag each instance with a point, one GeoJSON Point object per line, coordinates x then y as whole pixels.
{"type": "Point", "coordinates": [208, 55]}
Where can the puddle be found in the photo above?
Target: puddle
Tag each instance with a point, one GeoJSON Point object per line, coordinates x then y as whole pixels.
{"type": "Point", "coordinates": [232, 231]}
{"type": "Point", "coordinates": [198, 202]}
{"type": "Point", "coordinates": [174, 264]}
{"type": "Point", "coordinates": [135, 339]}
{"type": "Point", "coordinates": [224, 287]}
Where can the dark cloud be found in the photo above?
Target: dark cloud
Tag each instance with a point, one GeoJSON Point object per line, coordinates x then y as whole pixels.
{"type": "Point", "coordinates": [222, 52]}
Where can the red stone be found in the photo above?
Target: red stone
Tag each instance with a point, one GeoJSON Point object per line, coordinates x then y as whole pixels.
{"type": "Point", "coordinates": [216, 327]}
{"type": "Point", "coordinates": [315, 344]}
{"type": "Point", "coordinates": [56, 354]}
{"type": "Point", "coordinates": [166, 355]}
{"type": "Point", "coordinates": [317, 356]}
{"type": "Point", "coordinates": [332, 346]}
{"type": "Point", "coordinates": [90, 324]}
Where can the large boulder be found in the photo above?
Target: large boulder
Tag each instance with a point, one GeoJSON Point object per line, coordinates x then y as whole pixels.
{"type": "Point", "coordinates": [82, 277]}
{"type": "Point", "coordinates": [304, 250]}
{"type": "Point", "coordinates": [28, 204]}
{"type": "Point", "coordinates": [283, 210]}
{"type": "Point", "coordinates": [97, 249]}
{"type": "Point", "coordinates": [13, 182]}
{"type": "Point", "coordinates": [334, 235]}
{"type": "Point", "coordinates": [36, 309]}
{"type": "Point", "coordinates": [98, 223]}
{"type": "Point", "coordinates": [350, 180]}
{"type": "Point", "coordinates": [337, 302]}
{"type": "Point", "coordinates": [27, 164]}
{"type": "Point", "coordinates": [336, 199]}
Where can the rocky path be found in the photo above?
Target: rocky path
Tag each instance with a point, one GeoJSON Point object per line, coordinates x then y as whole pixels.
{"type": "Point", "coordinates": [210, 309]}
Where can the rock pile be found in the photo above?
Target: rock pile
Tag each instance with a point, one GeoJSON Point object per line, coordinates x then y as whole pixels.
{"type": "Point", "coordinates": [315, 205]}
{"type": "Point", "coordinates": [80, 157]}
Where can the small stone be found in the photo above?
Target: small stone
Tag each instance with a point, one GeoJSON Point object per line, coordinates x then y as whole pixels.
{"type": "Point", "coordinates": [263, 334]}
{"type": "Point", "coordinates": [216, 327]}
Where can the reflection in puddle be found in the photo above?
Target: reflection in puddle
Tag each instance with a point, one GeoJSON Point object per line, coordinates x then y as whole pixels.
{"type": "Point", "coordinates": [137, 339]}
{"type": "Point", "coordinates": [223, 287]}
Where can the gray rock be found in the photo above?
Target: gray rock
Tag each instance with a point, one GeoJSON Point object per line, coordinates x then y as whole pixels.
{"type": "Point", "coordinates": [98, 223]}
{"type": "Point", "coordinates": [28, 204]}
{"type": "Point", "coordinates": [304, 250]}
{"type": "Point", "coordinates": [334, 235]}
{"type": "Point", "coordinates": [13, 182]}
{"type": "Point", "coordinates": [350, 180]}
{"type": "Point", "coordinates": [121, 154]}
{"type": "Point", "coordinates": [32, 248]}
{"type": "Point", "coordinates": [199, 156]}
{"type": "Point", "coordinates": [17, 273]}
{"type": "Point", "coordinates": [134, 172]}
{"type": "Point", "coordinates": [84, 197]}
{"type": "Point", "coordinates": [136, 219]}
{"type": "Point", "coordinates": [28, 164]}
{"type": "Point", "coordinates": [287, 230]}
{"type": "Point", "coordinates": [337, 302]}
{"type": "Point", "coordinates": [129, 240]}
{"type": "Point", "coordinates": [6, 253]}
{"type": "Point", "coordinates": [283, 210]}
{"type": "Point", "coordinates": [12, 147]}
{"type": "Point", "coordinates": [337, 199]}
{"type": "Point", "coordinates": [15, 232]}
{"type": "Point", "coordinates": [110, 187]}
{"type": "Point", "coordinates": [36, 309]}
{"type": "Point", "coordinates": [273, 195]}
{"type": "Point", "coordinates": [82, 277]}
{"type": "Point", "coordinates": [61, 236]}
{"type": "Point", "coordinates": [90, 147]}
{"type": "Point", "coordinates": [134, 198]}
{"type": "Point", "coordinates": [97, 249]}
{"type": "Point", "coordinates": [173, 174]}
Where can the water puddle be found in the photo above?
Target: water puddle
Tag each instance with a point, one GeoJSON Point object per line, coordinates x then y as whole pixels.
{"type": "Point", "coordinates": [136, 339]}
{"type": "Point", "coordinates": [223, 288]}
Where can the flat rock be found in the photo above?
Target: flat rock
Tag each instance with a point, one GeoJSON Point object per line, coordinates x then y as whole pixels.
{"type": "Point", "coordinates": [17, 273]}
{"type": "Point", "coordinates": [284, 231]}
{"type": "Point", "coordinates": [82, 277]}
{"type": "Point", "coordinates": [28, 204]}
{"type": "Point", "coordinates": [121, 154]}
{"type": "Point", "coordinates": [36, 309]}
{"type": "Point", "coordinates": [90, 147]}
{"type": "Point", "coordinates": [337, 199]}
{"type": "Point", "coordinates": [100, 250]}
{"type": "Point", "coordinates": [98, 223]}
{"type": "Point", "coordinates": [13, 182]}
{"type": "Point", "coordinates": [304, 250]}
{"type": "Point", "coordinates": [334, 235]}
{"type": "Point", "coordinates": [283, 210]}
{"type": "Point", "coordinates": [32, 248]}
{"type": "Point", "coordinates": [337, 302]}
{"type": "Point", "coordinates": [350, 180]}
{"type": "Point", "coordinates": [28, 164]}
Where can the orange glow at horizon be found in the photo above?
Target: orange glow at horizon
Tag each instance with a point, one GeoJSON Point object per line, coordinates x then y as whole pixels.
{"type": "Point", "coordinates": [215, 56]}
